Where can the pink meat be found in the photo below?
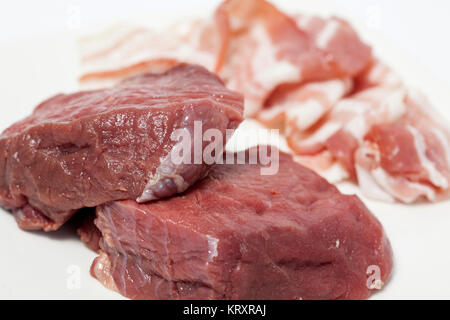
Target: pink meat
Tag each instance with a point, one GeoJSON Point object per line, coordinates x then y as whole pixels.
{"type": "Point", "coordinates": [386, 137]}
{"type": "Point", "coordinates": [354, 115]}
{"type": "Point", "coordinates": [88, 232]}
{"type": "Point", "coordinates": [238, 234]}
{"type": "Point", "coordinates": [339, 41]}
{"type": "Point", "coordinates": [126, 51]}
{"type": "Point", "coordinates": [267, 48]}
{"type": "Point", "coordinates": [251, 44]}
{"type": "Point", "coordinates": [408, 160]}
{"type": "Point", "coordinates": [377, 74]}
{"type": "Point", "coordinates": [87, 148]}
{"type": "Point", "coordinates": [300, 107]}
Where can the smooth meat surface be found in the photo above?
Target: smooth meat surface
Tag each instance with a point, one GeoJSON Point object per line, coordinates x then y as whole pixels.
{"type": "Point", "coordinates": [241, 235]}
{"type": "Point", "coordinates": [87, 148]}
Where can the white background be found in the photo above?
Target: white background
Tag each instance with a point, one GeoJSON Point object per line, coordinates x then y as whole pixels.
{"type": "Point", "coordinates": [38, 58]}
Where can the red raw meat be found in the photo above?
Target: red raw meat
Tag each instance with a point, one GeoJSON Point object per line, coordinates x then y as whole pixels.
{"type": "Point", "coordinates": [88, 232]}
{"type": "Point", "coordinates": [87, 148]}
{"type": "Point", "coordinates": [238, 234]}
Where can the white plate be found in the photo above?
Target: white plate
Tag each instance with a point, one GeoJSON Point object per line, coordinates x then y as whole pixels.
{"type": "Point", "coordinates": [56, 266]}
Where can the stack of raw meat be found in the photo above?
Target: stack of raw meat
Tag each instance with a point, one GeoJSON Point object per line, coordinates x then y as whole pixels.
{"type": "Point", "coordinates": [240, 235]}
{"type": "Point", "coordinates": [236, 234]}
{"type": "Point", "coordinates": [199, 230]}
{"type": "Point", "coordinates": [344, 113]}
{"type": "Point", "coordinates": [110, 144]}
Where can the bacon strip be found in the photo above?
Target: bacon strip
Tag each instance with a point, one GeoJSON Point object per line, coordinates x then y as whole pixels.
{"type": "Point", "coordinates": [389, 140]}
{"type": "Point", "coordinates": [122, 52]}
{"type": "Point", "coordinates": [302, 106]}
{"type": "Point", "coordinates": [408, 160]}
{"type": "Point", "coordinates": [253, 46]}
{"type": "Point", "coordinates": [344, 113]}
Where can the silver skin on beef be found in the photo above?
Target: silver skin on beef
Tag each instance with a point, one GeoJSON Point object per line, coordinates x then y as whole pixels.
{"type": "Point", "coordinates": [238, 234]}
{"type": "Point", "coordinates": [91, 147]}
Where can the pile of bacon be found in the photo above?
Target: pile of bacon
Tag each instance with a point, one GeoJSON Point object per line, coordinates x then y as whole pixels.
{"type": "Point", "coordinates": [343, 112]}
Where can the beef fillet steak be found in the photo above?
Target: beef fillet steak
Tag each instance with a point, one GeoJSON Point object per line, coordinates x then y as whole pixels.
{"type": "Point", "coordinates": [241, 235]}
{"type": "Point", "coordinates": [87, 148]}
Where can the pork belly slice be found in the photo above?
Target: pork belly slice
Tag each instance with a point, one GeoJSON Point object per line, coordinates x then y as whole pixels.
{"type": "Point", "coordinates": [86, 148]}
{"type": "Point", "coordinates": [387, 138]}
{"type": "Point", "coordinates": [251, 44]}
{"type": "Point", "coordinates": [408, 160]}
{"type": "Point", "coordinates": [299, 107]}
{"type": "Point", "coordinates": [122, 51]}
{"type": "Point", "coordinates": [238, 234]}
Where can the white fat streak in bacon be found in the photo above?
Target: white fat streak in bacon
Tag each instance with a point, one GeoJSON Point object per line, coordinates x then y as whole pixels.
{"type": "Point", "coordinates": [389, 109]}
{"type": "Point", "coordinates": [303, 21]}
{"type": "Point", "coordinates": [308, 112]}
{"type": "Point", "coordinates": [351, 105]}
{"type": "Point", "coordinates": [92, 44]}
{"type": "Point", "coordinates": [174, 47]}
{"type": "Point", "coordinates": [333, 89]}
{"type": "Point", "coordinates": [377, 72]}
{"type": "Point", "coordinates": [270, 113]}
{"type": "Point", "coordinates": [370, 187]}
{"type": "Point", "coordinates": [268, 69]}
{"type": "Point", "coordinates": [388, 183]}
{"type": "Point", "coordinates": [378, 185]}
{"type": "Point", "coordinates": [445, 143]}
{"type": "Point", "coordinates": [327, 33]}
{"type": "Point", "coordinates": [434, 175]}
{"type": "Point", "coordinates": [305, 113]}
{"type": "Point", "coordinates": [421, 101]}
{"type": "Point", "coordinates": [382, 75]}
{"type": "Point", "coordinates": [394, 105]}
{"type": "Point", "coordinates": [121, 57]}
{"type": "Point", "coordinates": [188, 51]}
{"type": "Point", "coordinates": [357, 127]}
{"type": "Point", "coordinates": [334, 174]}
{"type": "Point", "coordinates": [321, 135]}
{"type": "Point", "coordinates": [236, 23]}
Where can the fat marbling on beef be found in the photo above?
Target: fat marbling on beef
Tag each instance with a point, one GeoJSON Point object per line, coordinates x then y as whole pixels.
{"type": "Point", "coordinates": [238, 234]}
{"type": "Point", "coordinates": [87, 148]}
